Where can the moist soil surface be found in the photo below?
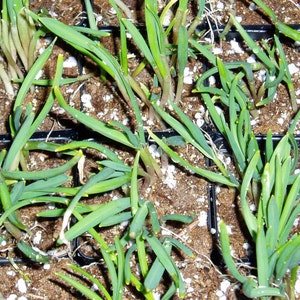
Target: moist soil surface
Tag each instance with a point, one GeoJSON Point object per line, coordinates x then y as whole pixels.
{"type": "Point", "coordinates": [176, 191]}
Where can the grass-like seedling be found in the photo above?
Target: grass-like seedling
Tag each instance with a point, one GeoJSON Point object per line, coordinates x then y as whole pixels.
{"type": "Point", "coordinates": [165, 48]}
{"type": "Point", "coordinates": [272, 59]}
{"type": "Point", "coordinates": [139, 240]}
{"type": "Point", "coordinates": [18, 37]}
{"type": "Point", "coordinates": [277, 252]}
{"type": "Point", "coordinates": [20, 187]}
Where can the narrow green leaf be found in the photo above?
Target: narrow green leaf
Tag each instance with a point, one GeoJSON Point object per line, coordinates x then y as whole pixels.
{"type": "Point", "coordinates": [288, 258]}
{"type": "Point", "coordinates": [35, 175]}
{"type": "Point", "coordinates": [250, 219]}
{"type": "Point", "coordinates": [272, 225]}
{"type": "Point", "coordinates": [12, 158]}
{"type": "Point", "coordinates": [79, 287]}
{"type": "Point", "coordinates": [37, 66]}
{"type": "Point", "coordinates": [134, 197]}
{"type": "Point", "coordinates": [92, 279]}
{"type": "Point", "coordinates": [225, 246]}
{"type": "Point", "coordinates": [116, 219]}
{"type": "Point", "coordinates": [163, 256]}
{"type": "Point", "coordinates": [118, 291]}
{"type": "Point", "coordinates": [156, 271]}
{"type": "Point", "coordinates": [96, 217]}
{"type": "Point", "coordinates": [289, 204]}
{"type": "Point", "coordinates": [177, 218]}
{"type": "Point", "coordinates": [138, 221]}
{"type": "Point", "coordinates": [31, 253]}
{"type": "Point", "coordinates": [262, 257]}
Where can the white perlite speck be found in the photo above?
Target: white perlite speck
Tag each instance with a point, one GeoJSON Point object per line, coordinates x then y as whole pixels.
{"type": "Point", "coordinates": [169, 180]}
{"type": "Point", "coordinates": [225, 284]}
{"type": "Point", "coordinates": [221, 293]}
{"type": "Point", "coordinates": [21, 285]}
{"type": "Point", "coordinates": [201, 199]}
{"type": "Point", "coordinates": [108, 97]}
{"type": "Point", "coordinates": [293, 69]}
{"type": "Point", "coordinates": [37, 238]}
{"type": "Point", "coordinates": [261, 75]}
{"type": "Point", "coordinates": [251, 59]}
{"type": "Point", "coordinates": [229, 229]}
{"type": "Point", "coordinates": [70, 62]}
{"type": "Point", "coordinates": [187, 76]}
{"type": "Point", "coordinates": [211, 80]}
{"type": "Point", "coordinates": [220, 5]}
{"type": "Point", "coordinates": [202, 219]}
{"type": "Point", "coordinates": [199, 119]}
{"type": "Point", "coordinates": [155, 151]}
{"type": "Point", "coordinates": [217, 50]}
{"type": "Point", "coordinates": [235, 46]}
{"type": "Point", "coordinates": [46, 266]}
{"type": "Point", "coordinates": [297, 283]}
{"type": "Point", "coordinates": [86, 100]}
{"type": "Point", "coordinates": [11, 273]}
{"type": "Point", "coordinates": [39, 74]}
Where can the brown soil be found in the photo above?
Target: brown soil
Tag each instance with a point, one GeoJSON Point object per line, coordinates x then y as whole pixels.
{"type": "Point", "coordinates": [203, 274]}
